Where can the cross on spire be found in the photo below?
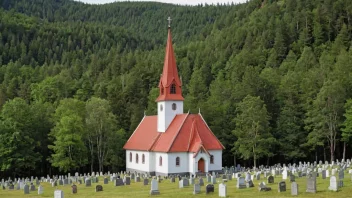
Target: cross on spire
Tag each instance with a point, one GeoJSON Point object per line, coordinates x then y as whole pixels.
{"type": "Point", "coordinates": [169, 19]}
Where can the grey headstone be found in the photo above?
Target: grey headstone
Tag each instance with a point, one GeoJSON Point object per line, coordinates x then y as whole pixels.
{"type": "Point", "coordinates": [292, 178]}
{"type": "Point", "coordinates": [263, 187]}
{"type": "Point", "coordinates": [26, 189]}
{"type": "Point", "coordinates": [270, 179]}
{"type": "Point", "coordinates": [282, 186]}
{"type": "Point", "coordinates": [40, 190]}
{"type": "Point", "coordinates": [196, 189]}
{"type": "Point", "coordinates": [58, 194]}
{"type": "Point", "coordinates": [137, 179]}
{"type": "Point", "coordinates": [32, 187]}
{"type": "Point", "coordinates": [106, 180]}
{"type": "Point", "coordinates": [119, 182]}
{"type": "Point", "coordinates": [145, 181]}
{"type": "Point", "coordinates": [154, 187]}
{"type": "Point", "coordinates": [311, 185]}
{"type": "Point", "coordinates": [323, 174]}
{"type": "Point", "coordinates": [250, 184]}
{"type": "Point", "coordinates": [241, 183]}
{"type": "Point", "coordinates": [88, 182]}
{"type": "Point", "coordinates": [127, 181]}
{"type": "Point", "coordinates": [201, 182]}
{"type": "Point", "coordinates": [294, 189]}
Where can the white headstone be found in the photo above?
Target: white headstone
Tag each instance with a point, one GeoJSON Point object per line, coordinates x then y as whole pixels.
{"type": "Point", "coordinates": [58, 194]}
{"type": "Point", "coordinates": [40, 190]}
{"type": "Point", "coordinates": [333, 183]}
{"type": "Point", "coordinates": [222, 190]}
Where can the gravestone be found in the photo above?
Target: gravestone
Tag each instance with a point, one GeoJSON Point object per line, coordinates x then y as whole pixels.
{"type": "Point", "coordinates": [106, 180]}
{"type": "Point", "coordinates": [65, 181]}
{"type": "Point", "coordinates": [241, 183]}
{"type": "Point", "coordinates": [340, 183]}
{"type": "Point", "coordinates": [222, 190]}
{"type": "Point", "coordinates": [32, 187]}
{"type": "Point", "coordinates": [74, 189]}
{"type": "Point", "coordinates": [191, 181]}
{"type": "Point", "coordinates": [209, 188]}
{"type": "Point", "coordinates": [333, 184]}
{"type": "Point", "coordinates": [294, 189]}
{"type": "Point", "coordinates": [172, 179]}
{"type": "Point", "coordinates": [26, 189]}
{"type": "Point", "coordinates": [292, 178]}
{"type": "Point", "coordinates": [201, 182]}
{"type": "Point", "coordinates": [341, 174]}
{"type": "Point", "coordinates": [263, 187]}
{"type": "Point", "coordinates": [11, 187]}
{"type": "Point", "coordinates": [208, 178]}
{"type": "Point", "coordinates": [137, 179]}
{"type": "Point", "coordinates": [60, 182]}
{"type": "Point", "coordinates": [145, 181]}
{"type": "Point", "coordinates": [213, 180]}
{"type": "Point", "coordinates": [250, 184]}
{"type": "Point", "coordinates": [40, 190]}
{"type": "Point", "coordinates": [88, 182]}
{"type": "Point", "coordinates": [119, 182]}
{"type": "Point", "coordinates": [257, 176]}
{"type": "Point", "coordinates": [98, 188]}
{"type": "Point", "coordinates": [127, 181]}
{"type": "Point", "coordinates": [58, 194]}
{"type": "Point", "coordinates": [282, 186]}
{"type": "Point", "coordinates": [270, 179]}
{"type": "Point", "coordinates": [154, 187]}
{"type": "Point", "coordinates": [323, 174]}
{"type": "Point", "coordinates": [311, 185]}
{"type": "Point", "coordinates": [196, 189]}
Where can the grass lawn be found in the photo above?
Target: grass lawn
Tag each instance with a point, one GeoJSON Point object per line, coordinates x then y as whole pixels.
{"type": "Point", "coordinates": [168, 189]}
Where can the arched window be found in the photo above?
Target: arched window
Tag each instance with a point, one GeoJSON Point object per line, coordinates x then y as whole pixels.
{"type": "Point", "coordinates": [212, 159]}
{"type": "Point", "coordinates": [136, 158]}
{"type": "Point", "coordinates": [177, 161]}
{"type": "Point", "coordinates": [173, 89]}
{"type": "Point", "coordinates": [130, 157]}
{"type": "Point", "coordinates": [174, 106]}
{"type": "Point", "coordinates": [143, 159]}
{"type": "Point", "coordinates": [160, 161]}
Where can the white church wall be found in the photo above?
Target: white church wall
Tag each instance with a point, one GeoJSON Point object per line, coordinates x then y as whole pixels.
{"type": "Point", "coordinates": [140, 166]}
{"type": "Point", "coordinates": [163, 169]}
{"type": "Point", "coordinates": [166, 114]}
{"type": "Point", "coordinates": [217, 165]}
{"type": "Point", "coordinates": [184, 162]}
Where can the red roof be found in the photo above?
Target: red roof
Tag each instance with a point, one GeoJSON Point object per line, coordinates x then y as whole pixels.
{"type": "Point", "coordinates": [186, 133]}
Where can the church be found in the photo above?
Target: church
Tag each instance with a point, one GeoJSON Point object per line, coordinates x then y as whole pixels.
{"type": "Point", "coordinates": [172, 142]}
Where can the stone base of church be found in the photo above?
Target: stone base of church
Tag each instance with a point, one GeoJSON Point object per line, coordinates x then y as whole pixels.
{"type": "Point", "coordinates": [153, 173]}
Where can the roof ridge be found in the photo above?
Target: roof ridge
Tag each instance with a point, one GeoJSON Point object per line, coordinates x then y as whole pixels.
{"type": "Point", "coordinates": [178, 132]}
{"type": "Point", "coordinates": [211, 131]}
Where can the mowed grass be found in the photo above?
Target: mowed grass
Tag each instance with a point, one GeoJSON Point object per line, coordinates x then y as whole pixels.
{"type": "Point", "coordinates": [168, 189]}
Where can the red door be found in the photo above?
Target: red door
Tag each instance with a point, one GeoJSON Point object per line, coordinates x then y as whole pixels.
{"type": "Point", "coordinates": [201, 165]}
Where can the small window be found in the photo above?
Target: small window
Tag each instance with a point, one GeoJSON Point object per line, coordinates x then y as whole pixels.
{"type": "Point", "coordinates": [160, 161]}
{"type": "Point", "coordinates": [136, 158]}
{"type": "Point", "coordinates": [130, 157]}
{"type": "Point", "coordinates": [212, 159]}
{"type": "Point", "coordinates": [143, 159]}
{"type": "Point", "coordinates": [177, 161]}
{"type": "Point", "coordinates": [174, 106]}
{"type": "Point", "coordinates": [173, 89]}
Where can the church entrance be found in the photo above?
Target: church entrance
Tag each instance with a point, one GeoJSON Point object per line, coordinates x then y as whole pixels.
{"type": "Point", "coordinates": [201, 165]}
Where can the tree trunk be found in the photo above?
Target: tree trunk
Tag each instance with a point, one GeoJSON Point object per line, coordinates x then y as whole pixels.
{"type": "Point", "coordinates": [324, 154]}
{"type": "Point", "coordinates": [234, 160]}
{"type": "Point", "coordinates": [344, 151]}
{"type": "Point", "coordinates": [332, 157]}
{"type": "Point", "coordinates": [254, 158]}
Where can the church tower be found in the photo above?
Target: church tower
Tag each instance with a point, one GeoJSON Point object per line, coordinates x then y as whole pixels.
{"type": "Point", "coordinates": [170, 100]}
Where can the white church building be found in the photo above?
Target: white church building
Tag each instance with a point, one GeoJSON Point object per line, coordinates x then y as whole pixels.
{"type": "Point", "coordinates": [172, 142]}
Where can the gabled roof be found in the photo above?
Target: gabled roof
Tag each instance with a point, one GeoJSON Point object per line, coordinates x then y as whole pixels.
{"type": "Point", "coordinates": [186, 133]}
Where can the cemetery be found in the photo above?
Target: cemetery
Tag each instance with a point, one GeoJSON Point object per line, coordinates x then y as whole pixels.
{"type": "Point", "coordinates": [236, 181]}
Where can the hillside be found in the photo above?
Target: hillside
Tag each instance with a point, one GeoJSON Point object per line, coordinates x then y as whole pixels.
{"type": "Point", "coordinates": [291, 59]}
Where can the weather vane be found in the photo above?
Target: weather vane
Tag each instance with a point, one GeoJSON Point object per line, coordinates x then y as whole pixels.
{"type": "Point", "coordinates": [169, 19]}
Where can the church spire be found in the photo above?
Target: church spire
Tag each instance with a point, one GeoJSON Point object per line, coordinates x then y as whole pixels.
{"type": "Point", "coordinates": [170, 83]}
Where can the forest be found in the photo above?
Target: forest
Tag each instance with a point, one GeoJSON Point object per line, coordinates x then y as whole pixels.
{"type": "Point", "coordinates": [272, 78]}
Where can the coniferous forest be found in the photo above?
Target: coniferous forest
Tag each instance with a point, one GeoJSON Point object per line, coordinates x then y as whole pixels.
{"type": "Point", "coordinates": [272, 78]}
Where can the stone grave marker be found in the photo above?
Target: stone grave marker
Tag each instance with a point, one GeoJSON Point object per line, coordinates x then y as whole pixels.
{"type": "Point", "coordinates": [201, 182]}
{"type": "Point", "coordinates": [241, 183]}
{"type": "Point", "coordinates": [340, 183]}
{"type": "Point", "coordinates": [88, 182]}
{"type": "Point", "coordinates": [263, 187]}
{"type": "Point", "coordinates": [333, 184]}
{"type": "Point", "coordinates": [323, 174]}
{"type": "Point", "coordinates": [98, 188]}
{"type": "Point", "coordinates": [127, 181]}
{"type": "Point", "coordinates": [292, 178]}
{"type": "Point", "coordinates": [58, 194]}
{"type": "Point", "coordinates": [145, 181]}
{"type": "Point", "coordinates": [32, 187]}
{"type": "Point", "coordinates": [40, 190]}
{"type": "Point", "coordinates": [209, 188]}
{"type": "Point", "coordinates": [26, 189]}
{"type": "Point", "coordinates": [250, 184]}
{"type": "Point", "coordinates": [106, 180]}
{"type": "Point", "coordinates": [119, 182]}
{"type": "Point", "coordinates": [270, 179]}
{"type": "Point", "coordinates": [172, 179]}
{"type": "Point", "coordinates": [11, 186]}
{"type": "Point", "coordinates": [191, 181]}
{"type": "Point", "coordinates": [294, 189]}
{"type": "Point", "coordinates": [196, 189]}
{"type": "Point", "coordinates": [311, 185]}
{"type": "Point", "coordinates": [282, 186]}
{"type": "Point", "coordinates": [74, 189]}
{"type": "Point", "coordinates": [208, 178]}
{"type": "Point", "coordinates": [222, 190]}
{"type": "Point", "coordinates": [341, 174]}
{"type": "Point", "coordinates": [213, 180]}
{"type": "Point", "coordinates": [257, 176]}
{"type": "Point", "coordinates": [65, 181]}
{"type": "Point", "coordinates": [154, 187]}
{"type": "Point", "coordinates": [137, 179]}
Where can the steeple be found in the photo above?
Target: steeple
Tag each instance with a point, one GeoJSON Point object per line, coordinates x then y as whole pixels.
{"type": "Point", "coordinates": [170, 100]}
{"type": "Point", "coordinates": [170, 83]}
